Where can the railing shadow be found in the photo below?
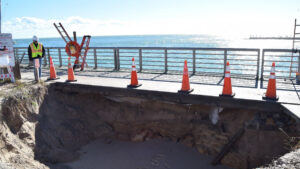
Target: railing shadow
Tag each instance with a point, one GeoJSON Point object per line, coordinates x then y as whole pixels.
{"type": "Point", "coordinates": [243, 82]}
{"type": "Point", "coordinates": [175, 78]}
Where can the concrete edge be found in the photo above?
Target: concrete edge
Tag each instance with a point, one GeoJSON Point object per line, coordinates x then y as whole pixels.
{"type": "Point", "coordinates": [226, 102]}
{"type": "Point", "coordinates": [290, 112]}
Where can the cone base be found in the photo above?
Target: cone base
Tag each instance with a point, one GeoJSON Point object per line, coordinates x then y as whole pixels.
{"type": "Point", "coordinates": [52, 78]}
{"type": "Point", "coordinates": [132, 86]}
{"type": "Point", "coordinates": [185, 92]}
{"type": "Point", "coordinates": [226, 95]}
{"type": "Point", "coordinates": [71, 81]}
{"type": "Point", "coordinates": [270, 99]}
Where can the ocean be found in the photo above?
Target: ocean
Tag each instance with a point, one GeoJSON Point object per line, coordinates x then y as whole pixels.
{"type": "Point", "coordinates": [201, 41]}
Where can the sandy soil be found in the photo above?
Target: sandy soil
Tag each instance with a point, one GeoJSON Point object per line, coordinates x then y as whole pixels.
{"type": "Point", "coordinates": [152, 154]}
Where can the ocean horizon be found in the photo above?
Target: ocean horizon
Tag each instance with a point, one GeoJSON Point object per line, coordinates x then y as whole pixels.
{"type": "Point", "coordinates": [193, 40]}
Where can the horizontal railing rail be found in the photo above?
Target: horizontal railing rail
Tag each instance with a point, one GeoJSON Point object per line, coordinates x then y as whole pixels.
{"type": "Point", "coordinates": [282, 58]}
{"type": "Point", "coordinates": [245, 62]}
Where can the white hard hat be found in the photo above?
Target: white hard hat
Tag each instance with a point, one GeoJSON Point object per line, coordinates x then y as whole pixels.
{"type": "Point", "coordinates": [35, 38]}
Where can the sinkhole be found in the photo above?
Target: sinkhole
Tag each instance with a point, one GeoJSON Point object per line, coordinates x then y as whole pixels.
{"type": "Point", "coordinates": [78, 126]}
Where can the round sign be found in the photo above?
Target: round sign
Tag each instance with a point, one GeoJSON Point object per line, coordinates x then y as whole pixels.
{"type": "Point", "coordinates": [73, 49]}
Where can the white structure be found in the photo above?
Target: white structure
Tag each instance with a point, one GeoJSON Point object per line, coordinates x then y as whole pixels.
{"type": "Point", "coordinates": [7, 59]}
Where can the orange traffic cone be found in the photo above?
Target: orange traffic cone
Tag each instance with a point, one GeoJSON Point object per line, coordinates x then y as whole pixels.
{"type": "Point", "coordinates": [227, 88]}
{"type": "Point", "coordinates": [271, 90]}
{"type": "Point", "coordinates": [52, 71]}
{"type": "Point", "coordinates": [71, 77]}
{"type": "Point", "coordinates": [134, 80]}
{"type": "Point", "coordinates": [185, 87]}
{"type": "Point", "coordinates": [298, 78]}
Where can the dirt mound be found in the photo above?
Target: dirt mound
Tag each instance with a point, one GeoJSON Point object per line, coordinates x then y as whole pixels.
{"type": "Point", "coordinates": [18, 118]}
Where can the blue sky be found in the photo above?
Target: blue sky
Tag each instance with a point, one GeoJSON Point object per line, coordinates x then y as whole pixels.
{"type": "Point", "coordinates": [135, 17]}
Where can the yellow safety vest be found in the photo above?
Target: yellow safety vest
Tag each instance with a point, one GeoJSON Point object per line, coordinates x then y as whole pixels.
{"type": "Point", "coordinates": [35, 51]}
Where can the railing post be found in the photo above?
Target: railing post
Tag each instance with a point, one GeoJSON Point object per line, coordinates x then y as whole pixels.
{"type": "Point", "coordinates": [29, 62]}
{"type": "Point", "coordinates": [194, 61]}
{"type": "Point", "coordinates": [118, 58]}
{"type": "Point", "coordinates": [140, 59]}
{"type": "Point", "coordinates": [166, 60]}
{"type": "Point", "coordinates": [95, 58]}
{"type": "Point", "coordinates": [45, 61]}
{"type": "Point", "coordinates": [59, 57]}
{"type": "Point", "coordinates": [16, 53]}
{"type": "Point", "coordinates": [48, 51]}
{"type": "Point", "coordinates": [299, 63]}
{"type": "Point", "coordinates": [115, 59]}
{"type": "Point", "coordinates": [257, 69]}
{"type": "Point", "coordinates": [20, 61]}
{"type": "Point", "coordinates": [262, 65]}
{"type": "Point", "coordinates": [225, 60]}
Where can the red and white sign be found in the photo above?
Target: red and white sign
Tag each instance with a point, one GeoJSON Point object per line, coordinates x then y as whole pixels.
{"type": "Point", "coordinates": [7, 58]}
{"type": "Point", "coordinates": [6, 48]}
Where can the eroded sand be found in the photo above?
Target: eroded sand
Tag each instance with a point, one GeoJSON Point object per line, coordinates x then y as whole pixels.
{"type": "Point", "coordinates": [152, 154]}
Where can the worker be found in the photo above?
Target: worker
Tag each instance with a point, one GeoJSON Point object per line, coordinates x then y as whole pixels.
{"type": "Point", "coordinates": [36, 50]}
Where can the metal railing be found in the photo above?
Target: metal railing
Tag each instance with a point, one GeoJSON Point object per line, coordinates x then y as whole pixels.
{"type": "Point", "coordinates": [282, 58]}
{"type": "Point", "coordinates": [212, 61]}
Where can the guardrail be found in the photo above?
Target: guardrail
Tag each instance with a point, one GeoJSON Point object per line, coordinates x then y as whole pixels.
{"type": "Point", "coordinates": [282, 58]}
{"type": "Point", "coordinates": [244, 62]}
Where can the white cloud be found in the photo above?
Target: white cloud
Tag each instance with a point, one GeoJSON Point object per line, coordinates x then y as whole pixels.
{"type": "Point", "coordinates": [25, 27]}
